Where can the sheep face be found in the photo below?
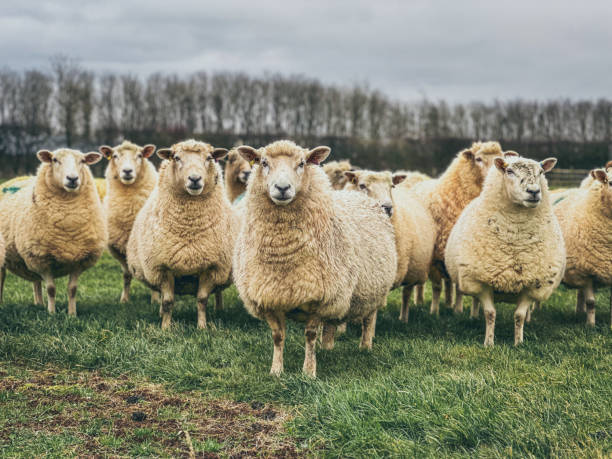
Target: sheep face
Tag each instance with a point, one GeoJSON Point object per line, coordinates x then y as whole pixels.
{"type": "Point", "coordinates": [193, 166]}
{"type": "Point", "coordinates": [523, 179]}
{"type": "Point", "coordinates": [67, 168]}
{"type": "Point", "coordinates": [283, 169]}
{"type": "Point", "coordinates": [127, 160]}
{"type": "Point", "coordinates": [377, 185]}
{"type": "Point", "coordinates": [604, 176]}
{"type": "Point", "coordinates": [237, 168]}
{"type": "Point", "coordinates": [335, 171]}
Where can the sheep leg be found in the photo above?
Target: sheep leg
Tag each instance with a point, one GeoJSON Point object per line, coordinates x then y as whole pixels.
{"type": "Point", "coordinates": [205, 286]}
{"type": "Point", "coordinates": [38, 295]}
{"type": "Point", "coordinates": [368, 328]}
{"type": "Point", "coordinates": [523, 307]}
{"type": "Point", "coordinates": [448, 293]}
{"type": "Point", "coordinates": [528, 313]}
{"type": "Point", "coordinates": [488, 305]}
{"type": "Point", "coordinates": [277, 325]}
{"type": "Point", "coordinates": [219, 301]}
{"type": "Point", "coordinates": [475, 312]}
{"type": "Point", "coordinates": [127, 282]}
{"type": "Point", "coordinates": [436, 290]}
{"type": "Point", "coordinates": [580, 302]}
{"type": "Point", "coordinates": [341, 329]}
{"type": "Point", "coordinates": [405, 311]}
{"type": "Point", "coordinates": [419, 295]}
{"type": "Point", "coordinates": [310, 357]}
{"type": "Point", "coordinates": [156, 298]}
{"type": "Point", "coordinates": [458, 309]}
{"type": "Point", "coordinates": [50, 284]}
{"type": "Point", "coordinates": [167, 300]}
{"type": "Point", "coordinates": [72, 292]}
{"type": "Point", "coordinates": [589, 298]}
{"type": "Point", "coordinates": [2, 278]}
{"type": "Point", "coordinates": [327, 338]}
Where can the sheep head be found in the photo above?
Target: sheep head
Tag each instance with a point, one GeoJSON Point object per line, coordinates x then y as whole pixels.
{"type": "Point", "coordinates": [335, 172]}
{"type": "Point", "coordinates": [192, 166]}
{"type": "Point", "coordinates": [523, 179]}
{"type": "Point", "coordinates": [480, 156]}
{"type": "Point", "coordinates": [283, 169]}
{"type": "Point", "coordinates": [126, 160]}
{"type": "Point", "coordinates": [377, 185]}
{"type": "Point", "coordinates": [66, 168]}
{"type": "Point", "coordinates": [237, 168]}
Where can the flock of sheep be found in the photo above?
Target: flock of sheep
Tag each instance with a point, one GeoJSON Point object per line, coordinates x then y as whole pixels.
{"type": "Point", "coordinates": [322, 245]}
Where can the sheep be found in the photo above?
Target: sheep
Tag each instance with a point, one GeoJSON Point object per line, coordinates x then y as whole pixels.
{"type": "Point", "coordinates": [507, 243]}
{"type": "Point", "coordinates": [445, 198]}
{"type": "Point", "coordinates": [585, 217]}
{"type": "Point", "coordinates": [588, 180]}
{"type": "Point", "coordinates": [413, 226]}
{"type": "Point", "coordinates": [335, 172]}
{"type": "Point", "coordinates": [131, 177]}
{"type": "Point", "coordinates": [183, 236]}
{"type": "Point", "coordinates": [237, 171]}
{"type": "Point", "coordinates": [308, 252]}
{"type": "Point", "coordinates": [412, 178]}
{"type": "Point", "coordinates": [55, 226]}
{"type": "Point", "coordinates": [15, 184]}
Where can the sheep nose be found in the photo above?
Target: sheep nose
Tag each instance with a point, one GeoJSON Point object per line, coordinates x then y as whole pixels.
{"type": "Point", "coordinates": [533, 191]}
{"type": "Point", "coordinates": [388, 208]}
{"type": "Point", "coordinates": [128, 171]}
{"type": "Point", "coordinates": [72, 178]}
{"type": "Point", "coordinates": [195, 178]}
{"type": "Point", "coordinates": [282, 189]}
{"type": "Point", "coordinates": [246, 174]}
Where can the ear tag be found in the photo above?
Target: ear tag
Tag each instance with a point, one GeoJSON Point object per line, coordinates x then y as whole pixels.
{"type": "Point", "coordinates": [251, 162]}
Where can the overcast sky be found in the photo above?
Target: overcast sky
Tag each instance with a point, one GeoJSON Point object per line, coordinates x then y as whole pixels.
{"type": "Point", "coordinates": [456, 50]}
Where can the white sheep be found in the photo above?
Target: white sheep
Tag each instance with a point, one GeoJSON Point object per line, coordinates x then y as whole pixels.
{"type": "Point", "coordinates": [55, 226]}
{"type": "Point", "coordinates": [183, 237]}
{"type": "Point", "coordinates": [507, 243]}
{"type": "Point", "coordinates": [308, 252]}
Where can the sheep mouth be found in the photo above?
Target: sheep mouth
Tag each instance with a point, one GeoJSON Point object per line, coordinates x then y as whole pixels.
{"type": "Point", "coordinates": [532, 202]}
{"type": "Point", "coordinates": [194, 190]}
{"type": "Point", "coordinates": [71, 186]}
{"type": "Point", "coordinates": [127, 179]}
{"type": "Point", "coordinates": [282, 200]}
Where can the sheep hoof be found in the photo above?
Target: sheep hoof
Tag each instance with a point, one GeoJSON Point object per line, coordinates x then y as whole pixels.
{"type": "Point", "coordinates": [276, 372]}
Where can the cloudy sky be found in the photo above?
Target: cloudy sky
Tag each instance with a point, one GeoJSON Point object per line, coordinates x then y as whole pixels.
{"type": "Point", "coordinates": [457, 50]}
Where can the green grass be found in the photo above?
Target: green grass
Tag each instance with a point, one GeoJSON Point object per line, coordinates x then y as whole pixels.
{"type": "Point", "coordinates": [428, 388]}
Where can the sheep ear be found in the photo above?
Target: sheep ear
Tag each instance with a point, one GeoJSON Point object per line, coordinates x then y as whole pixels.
{"type": "Point", "coordinates": [219, 153]}
{"type": "Point", "coordinates": [548, 164]}
{"type": "Point", "coordinates": [106, 151]}
{"type": "Point", "coordinates": [500, 164]}
{"type": "Point", "coordinates": [600, 175]}
{"type": "Point", "coordinates": [510, 153]}
{"type": "Point", "coordinates": [249, 154]}
{"type": "Point", "coordinates": [92, 157]}
{"type": "Point", "coordinates": [398, 178]}
{"type": "Point", "coordinates": [351, 176]}
{"type": "Point", "coordinates": [165, 153]}
{"type": "Point", "coordinates": [608, 165]}
{"type": "Point", "coordinates": [317, 155]}
{"type": "Point", "coordinates": [467, 154]}
{"type": "Point", "coordinates": [45, 156]}
{"type": "Point", "coordinates": [147, 150]}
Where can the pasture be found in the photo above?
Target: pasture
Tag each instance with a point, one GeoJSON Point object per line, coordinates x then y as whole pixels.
{"type": "Point", "coordinates": [111, 381]}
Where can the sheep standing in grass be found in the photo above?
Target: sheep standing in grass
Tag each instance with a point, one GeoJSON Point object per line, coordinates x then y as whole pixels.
{"type": "Point", "coordinates": [507, 243]}
{"type": "Point", "coordinates": [413, 226]}
{"type": "Point", "coordinates": [445, 198]}
{"type": "Point", "coordinates": [335, 172]}
{"type": "Point", "coordinates": [237, 171]}
{"type": "Point", "coordinates": [310, 253]}
{"type": "Point", "coordinates": [55, 226]}
{"type": "Point", "coordinates": [183, 237]}
{"type": "Point", "coordinates": [130, 177]}
{"type": "Point", "coordinates": [585, 217]}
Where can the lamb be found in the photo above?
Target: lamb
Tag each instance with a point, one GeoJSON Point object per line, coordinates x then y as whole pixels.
{"type": "Point", "coordinates": [131, 177]}
{"type": "Point", "coordinates": [413, 226]}
{"type": "Point", "coordinates": [55, 226]}
{"type": "Point", "coordinates": [585, 217]}
{"type": "Point", "coordinates": [184, 234]}
{"type": "Point", "coordinates": [445, 198]}
{"type": "Point", "coordinates": [507, 243]}
{"type": "Point", "coordinates": [335, 172]}
{"type": "Point", "coordinates": [237, 171]}
{"type": "Point", "coordinates": [308, 252]}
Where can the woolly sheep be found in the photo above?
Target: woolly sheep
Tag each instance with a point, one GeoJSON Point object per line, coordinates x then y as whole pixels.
{"type": "Point", "coordinates": [588, 180]}
{"type": "Point", "coordinates": [585, 217]}
{"type": "Point", "coordinates": [55, 226]}
{"type": "Point", "coordinates": [335, 172]}
{"type": "Point", "coordinates": [15, 184]}
{"type": "Point", "coordinates": [445, 198]}
{"type": "Point", "coordinates": [413, 226]}
{"type": "Point", "coordinates": [412, 178]}
{"type": "Point", "coordinates": [507, 243]}
{"type": "Point", "coordinates": [131, 177]}
{"type": "Point", "coordinates": [237, 171]}
{"type": "Point", "coordinates": [183, 236]}
{"type": "Point", "coordinates": [310, 253]}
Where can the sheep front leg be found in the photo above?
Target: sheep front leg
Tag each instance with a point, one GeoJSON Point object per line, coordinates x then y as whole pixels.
{"type": "Point", "coordinates": [589, 298]}
{"type": "Point", "coordinates": [580, 301]}
{"type": "Point", "coordinates": [72, 292]}
{"type": "Point", "coordinates": [475, 311]}
{"type": "Point", "coordinates": [520, 314]}
{"type": "Point", "coordinates": [328, 335]}
{"type": "Point", "coordinates": [127, 283]}
{"type": "Point", "coordinates": [167, 300]}
{"type": "Point", "coordinates": [219, 301]}
{"type": "Point", "coordinates": [458, 308]}
{"type": "Point", "coordinates": [276, 321]}
{"type": "Point", "coordinates": [38, 295]}
{"type": "Point", "coordinates": [436, 291]}
{"type": "Point", "coordinates": [2, 278]}
{"type": "Point", "coordinates": [368, 328]}
{"type": "Point", "coordinates": [50, 284]}
{"type": "Point", "coordinates": [205, 286]}
{"type": "Point", "coordinates": [488, 305]}
{"type": "Point", "coordinates": [405, 310]}
{"type": "Point", "coordinates": [310, 358]}
{"type": "Point", "coordinates": [419, 296]}
{"type": "Point", "coordinates": [448, 293]}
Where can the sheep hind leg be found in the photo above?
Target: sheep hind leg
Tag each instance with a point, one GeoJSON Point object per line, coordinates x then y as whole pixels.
{"type": "Point", "coordinates": [2, 278]}
{"type": "Point", "coordinates": [205, 286]}
{"type": "Point", "coordinates": [475, 311]}
{"type": "Point", "coordinates": [38, 295]}
{"type": "Point", "coordinates": [458, 309]}
{"type": "Point", "coordinates": [278, 327]}
{"type": "Point", "coordinates": [520, 314]}
{"type": "Point", "coordinates": [127, 283]}
{"type": "Point", "coordinates": [310, 356]}
{"type": "Point", "coordinates": [448, 293]}
{"type": "Point", "coordinates": [72, 292]}
{"type": "Point", "coordinates": [219, 301]}
{"type": "Point", "coordinates": [489, 312]}
{"type": "Point", "coordinates": [405, 308]}
{"type": "Point", "coordinates": [436, 290]}
{"type": "Point", "coordinates": [580, 302]}
{"type": "Point", "coordinates": [167, 300]}
{"type": "Point", "coordinates": [589, 298]}
{"type": "Point", "coordinates": [368, 328]}
{"type": "Point", "coordinates": [50, 285]}
{"type": "Point", "coordinates": [328, 335]}
{"type": "Point", "coordinates": [419, 294]}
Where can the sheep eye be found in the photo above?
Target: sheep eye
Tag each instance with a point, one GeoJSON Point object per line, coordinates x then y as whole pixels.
{"type": "Point", "coordinates": [510, 172]}
{"type": "Point", "coordinates": [264, 163]}
{"type": "Point", "coordinates": [478, 160]}
{"type": "Point", "coordinates": [362, 186]}
{"type": "Point", "coordinates": [55, 160]}
{"type": "Point", "coordinates": [301, 163]}
{"type": "Point", "coordinates": [177, 159]}
{"type": "Point", "coordinates": [139, 155]}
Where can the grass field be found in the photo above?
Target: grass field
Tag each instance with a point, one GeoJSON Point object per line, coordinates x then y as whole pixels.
{"type": "Point", "coordinates": [110, 381]}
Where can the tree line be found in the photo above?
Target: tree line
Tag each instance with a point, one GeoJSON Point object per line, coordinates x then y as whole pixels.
{"type": "Point", "coordinates": [68, 105]}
